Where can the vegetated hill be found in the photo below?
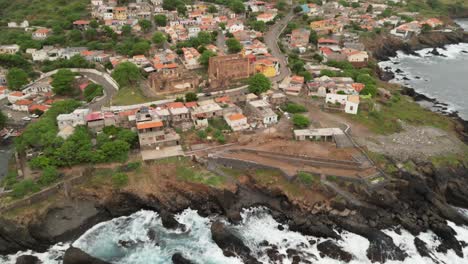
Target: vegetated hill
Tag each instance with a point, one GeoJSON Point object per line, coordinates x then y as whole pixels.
{"type": "Point", "coordinates": [453, 8]}
{"type": "Point", "coordinates": [42, 12]}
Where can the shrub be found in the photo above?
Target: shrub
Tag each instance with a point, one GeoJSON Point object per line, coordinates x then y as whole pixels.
{"type": "Point", "coordinates": [119, 179]}
{"type": "Point", "coordinates": [23, 188]}
{"type": "Point", "coordinates": [306, 178]}
{"type": "Point", "coordinates": [300, 121]}
{"type": "Point", "coordinates": [294, 108]}
{"type": "Point", "coordinates": [49, 176]}
{"type": "Point", "coordinates": [202, 134]}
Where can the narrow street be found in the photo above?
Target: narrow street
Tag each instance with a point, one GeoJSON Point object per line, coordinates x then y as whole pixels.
{"type": "Point", "coordinates": [271, 40]}
{"type": "Point", "coordinates": [221, 42]}
{"type": "Point", "coordinates": [109, 90]}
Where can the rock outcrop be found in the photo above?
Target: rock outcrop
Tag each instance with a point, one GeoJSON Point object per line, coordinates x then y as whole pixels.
{"type": "Point", "coordinates": [77, 256]}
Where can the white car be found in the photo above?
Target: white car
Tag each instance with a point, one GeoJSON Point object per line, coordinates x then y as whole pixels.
{"type": "Point", "coordinates": [26, 118]}
{"type": "Point", "coordinates": [34, 116]}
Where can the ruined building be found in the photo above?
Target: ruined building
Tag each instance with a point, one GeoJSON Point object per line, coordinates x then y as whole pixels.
{"type": "Point", "coordinates": [223, 69]}
{"type": "Point", "coordinates": [173, 80]}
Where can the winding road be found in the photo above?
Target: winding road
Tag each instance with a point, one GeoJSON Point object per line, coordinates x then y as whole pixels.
{"type": "Point", "coordinates": [271, 39]}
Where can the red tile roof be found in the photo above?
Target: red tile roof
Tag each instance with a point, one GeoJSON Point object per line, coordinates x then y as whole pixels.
{"type": "Point", "coordinates": [23, 102]}
{"type": "Point", "coordinates": [151, 124]}
{"type": "Point", "coordinates": [235, 117]}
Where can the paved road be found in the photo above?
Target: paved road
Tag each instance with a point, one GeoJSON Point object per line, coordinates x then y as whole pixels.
{"type": "Point", "coordinates": [109, 91]}
{"type": "Point", "coordinates": [271, 40]}
{"type": "Point", "coordinates": [221, 42]}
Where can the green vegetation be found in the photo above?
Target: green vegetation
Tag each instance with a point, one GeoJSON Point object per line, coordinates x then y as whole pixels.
{"type": "Point", "coordinates": [128, 96]}
{"type": "Point", "coordinates": [16, 78]}
{"type": "Point", "coordinates": [92, 91]}
{"type": "Point", "coordinates": [159, 38]}
{"type": "Point", "coordinates": [160, 20]}
{"type": "Point", "coordinates": [450, 160]}
{"type": "Point", "coordinates": [294, 108]}
{"type": "Point", "coordinates": [234, 46]}
{"type": "Point", "coordinates": [127, 74]}
{"type": "Point", "coordinates": [76, 61]}
{"type": "Point", "coordinates": [259, 83]}
{"type": "Point", "coordinates": [3, 120]}
{"type": "Point", "coordinates": [24, 188]}
{"type": "Point", "coordinates": [386, 121]}
{"type": "Point", "coordinates": [193, 175]}
{"type": "Point", "coordinates": [205, 57]}
{"type": "Point", "coordinates": [62, 82]}
{"type": "Point", "coordinates": [300, 121]}
{"type": "Point", "coordinates": [49, 176]}
{"type": "Point", "coordinates": [43, 12]}
{"type": "Point", "coordinates": [119, 179]}
{"type": "Point", "coordinates": [307, 178]}
{"type": "Point", "coordinates": [191, 97]}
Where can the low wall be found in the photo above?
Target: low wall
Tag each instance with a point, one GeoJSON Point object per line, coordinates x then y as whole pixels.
{"type": "Point", "coordinates": [49, 191]}
{"type": "Point", "coordinates": [245, 165]}
{"type": "Point", "coordinates": [106, 76]}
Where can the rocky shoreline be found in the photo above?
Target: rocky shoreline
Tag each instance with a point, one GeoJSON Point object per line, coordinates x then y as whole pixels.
{"type": "Point", "coordinates": [417, 201]}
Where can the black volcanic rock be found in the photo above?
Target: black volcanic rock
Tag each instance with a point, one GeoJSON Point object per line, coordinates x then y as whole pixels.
{"type": "Point", "coordinates": [28, 259]}
{"type": "Point", "coordinates": [332, 250]}
{"type": "Point", "coordinates": [77, 256]}
{"type": "Point", "coordinates": [177, 258]}
{"type": "Point", "coordinates": [230, 244]}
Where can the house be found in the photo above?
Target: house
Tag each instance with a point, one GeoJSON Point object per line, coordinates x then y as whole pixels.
{"type": "Point", "coordinates": [268, 66]}
{"type": "Point", "coordinates": [325, 27]}
{"type": "Point", "coordinates": [120, 13]}
{"type": "Point", "coordinates": [329, 43]}
{"type": "Point", "coordinates": [357, 58]}
{"type": "Point", "coordinates": [81, 24]}
{"type": "Point", "coordinates": [153, 135]}
{"type": "Point", "coordinates": [41, 34]}
{"type": "Point", "coordinates": [407, 30]}
{"type": "Point", "coordinates": [3, 74]}
{"type": "Point", "coordinates": [295, 85]}
{"type": "Point", "coordinates": [433, 22]}
{"type": "Point", "coordinates": [191, 58]}
{"type": "Point", "coordinates": [34, 108]}
{"type": "Point", "coordinates": [180, 116]}
{"type": "Point", "coordinates": [22, 105]}
{"type": "Point", "coordinates": [318, 134]}
{"type": "Point", "coordinates": [95, 121]}
{"type": "Point", "coordinates": [236, 122]}
{"type": "Point", "coordinates": [277, 99]}
{"type": "Point", "coordinates": [350, 102]}
{"type": "Point", "coordinates": [207, 109]}
{"type": "Point", "coordinates": [262, 111]}
{"type": "Point", "coordinates": [9, 49]}
{"type": "Point", "coordinates": [15, 96]}
{"type": "Point", "coordinates": [266, 17]}
{"type": "Point", "coordinates": [234, 26]}
{"type": "Point", "coordinates": [299, 38]}
{"type": "Point", "coordinates": [73, 119]}
{"type": "Point", "coordinates": [23, 24]}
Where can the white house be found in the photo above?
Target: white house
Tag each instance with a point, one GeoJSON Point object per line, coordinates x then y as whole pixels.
{"type": "Point", "coordinates": [77, 117]}
{"type": "Point", "coordinates": [41, 34]}
{"type": "Point", "coordinates": [193, 31]}
{"type": "Point", "coordinates": [22, 105]}
{"type": "Point", "coordinates": [9, 49]}
{"type": "Point", "coordinates": [235, 27]}
{"type": "Point", "coordinates": [15, 96]}
{"type": "Point", "coordinates": [266, 17]}
{"type": "Point", "coordinates": [262, 110]}
{"type": "Point", "coordinates": [237, 122]}
{"type": "Point", "coordinates": [358, 56]}
{"type": "Point", "coordinates": [350, 102]}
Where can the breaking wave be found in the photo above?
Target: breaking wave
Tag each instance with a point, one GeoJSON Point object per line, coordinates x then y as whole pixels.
{"type": "Point", "coordinates": [141, 238]}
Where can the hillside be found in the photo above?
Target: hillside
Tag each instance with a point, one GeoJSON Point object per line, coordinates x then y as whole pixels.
{"type": "Point", "coordinates": [42, 12]}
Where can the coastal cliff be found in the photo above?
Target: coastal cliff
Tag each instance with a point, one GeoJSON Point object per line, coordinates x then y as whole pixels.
{"type": "Point", "coordinates": [386, 46]}
{"type": "Point", "coordinates": [417, 201]}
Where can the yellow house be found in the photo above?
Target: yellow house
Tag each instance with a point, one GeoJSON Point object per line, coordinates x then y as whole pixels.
{"type": "Point", "coordinates": [268, 67]}
{"type": "Point", "coordinates": [120, 13]}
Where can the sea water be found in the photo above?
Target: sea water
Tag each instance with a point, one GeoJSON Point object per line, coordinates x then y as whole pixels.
{"type": "Point", "coordinates": [106, 239]}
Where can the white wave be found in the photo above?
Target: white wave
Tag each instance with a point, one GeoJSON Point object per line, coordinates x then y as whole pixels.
{"type": "Point", "coordinates": [52, 256]}
{"type": "Point", "coordinates": [256, 227]}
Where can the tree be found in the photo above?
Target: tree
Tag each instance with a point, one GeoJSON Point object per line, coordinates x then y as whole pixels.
{"type": "Point", "coordinates": [204, 38]}
{"type": "Point", "coordinates": [24, 187]}
{"type": "Point", "coordinates": [141, 47]}
{"type": "Point", "coordinates": [258, 26]}
{"type": "Point", "coordinates": [126, 30]}
{"type": "Point", "coordinates": [259, 83]}
{"type": "Point", "coordinates": [126, 74]}
{"type": "Point", "coordinates": [205, 57]}
{"type": "Point", "coordinates": [3, 120]}
{"type": "Point", "coordinates": [94, 24]}
{"type": "Point", "coordinates": [297, 9]}
{"type": "Point", "coordinates": [237, 6]}
{"type": "Point", "coordinates": [369, 9]}
{"type": "Point", "coordinates": [281, 5]}
{"type": "Point", "coordinates": [191, 97]}
{"type": "Point", "coordinates": [49, 176]}
{"type": "Point", "coordinates": [300, 121]}
{"type": "Point", "coordinates": [92, 91]}
{"type": "Point", "coordinates": [212, 9]}
{"type": "Point", "coordinates": [234, 46]}
{"type": "Point", "coordinates": [62, 83]}
{"type": "Point", "coordinates": [144, 24]}
{"type": "Point", "coordinates": [120, 179]}
{"type": "Point", "coordinates": [426, 28]}
{"type": "Point", "coordinates": [313, 37]}
{"type": "Point", "coordinates": [159, 38]}
{"type": "Point", "coordinates": [160, 20]}
{"type": "Point", "coordinates": [16, 78]}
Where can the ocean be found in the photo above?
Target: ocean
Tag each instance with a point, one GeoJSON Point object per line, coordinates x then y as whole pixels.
{"type": "Point", "coordinates": [105, 241]}
{"type": "Point", "coordinates": [443, 78]}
